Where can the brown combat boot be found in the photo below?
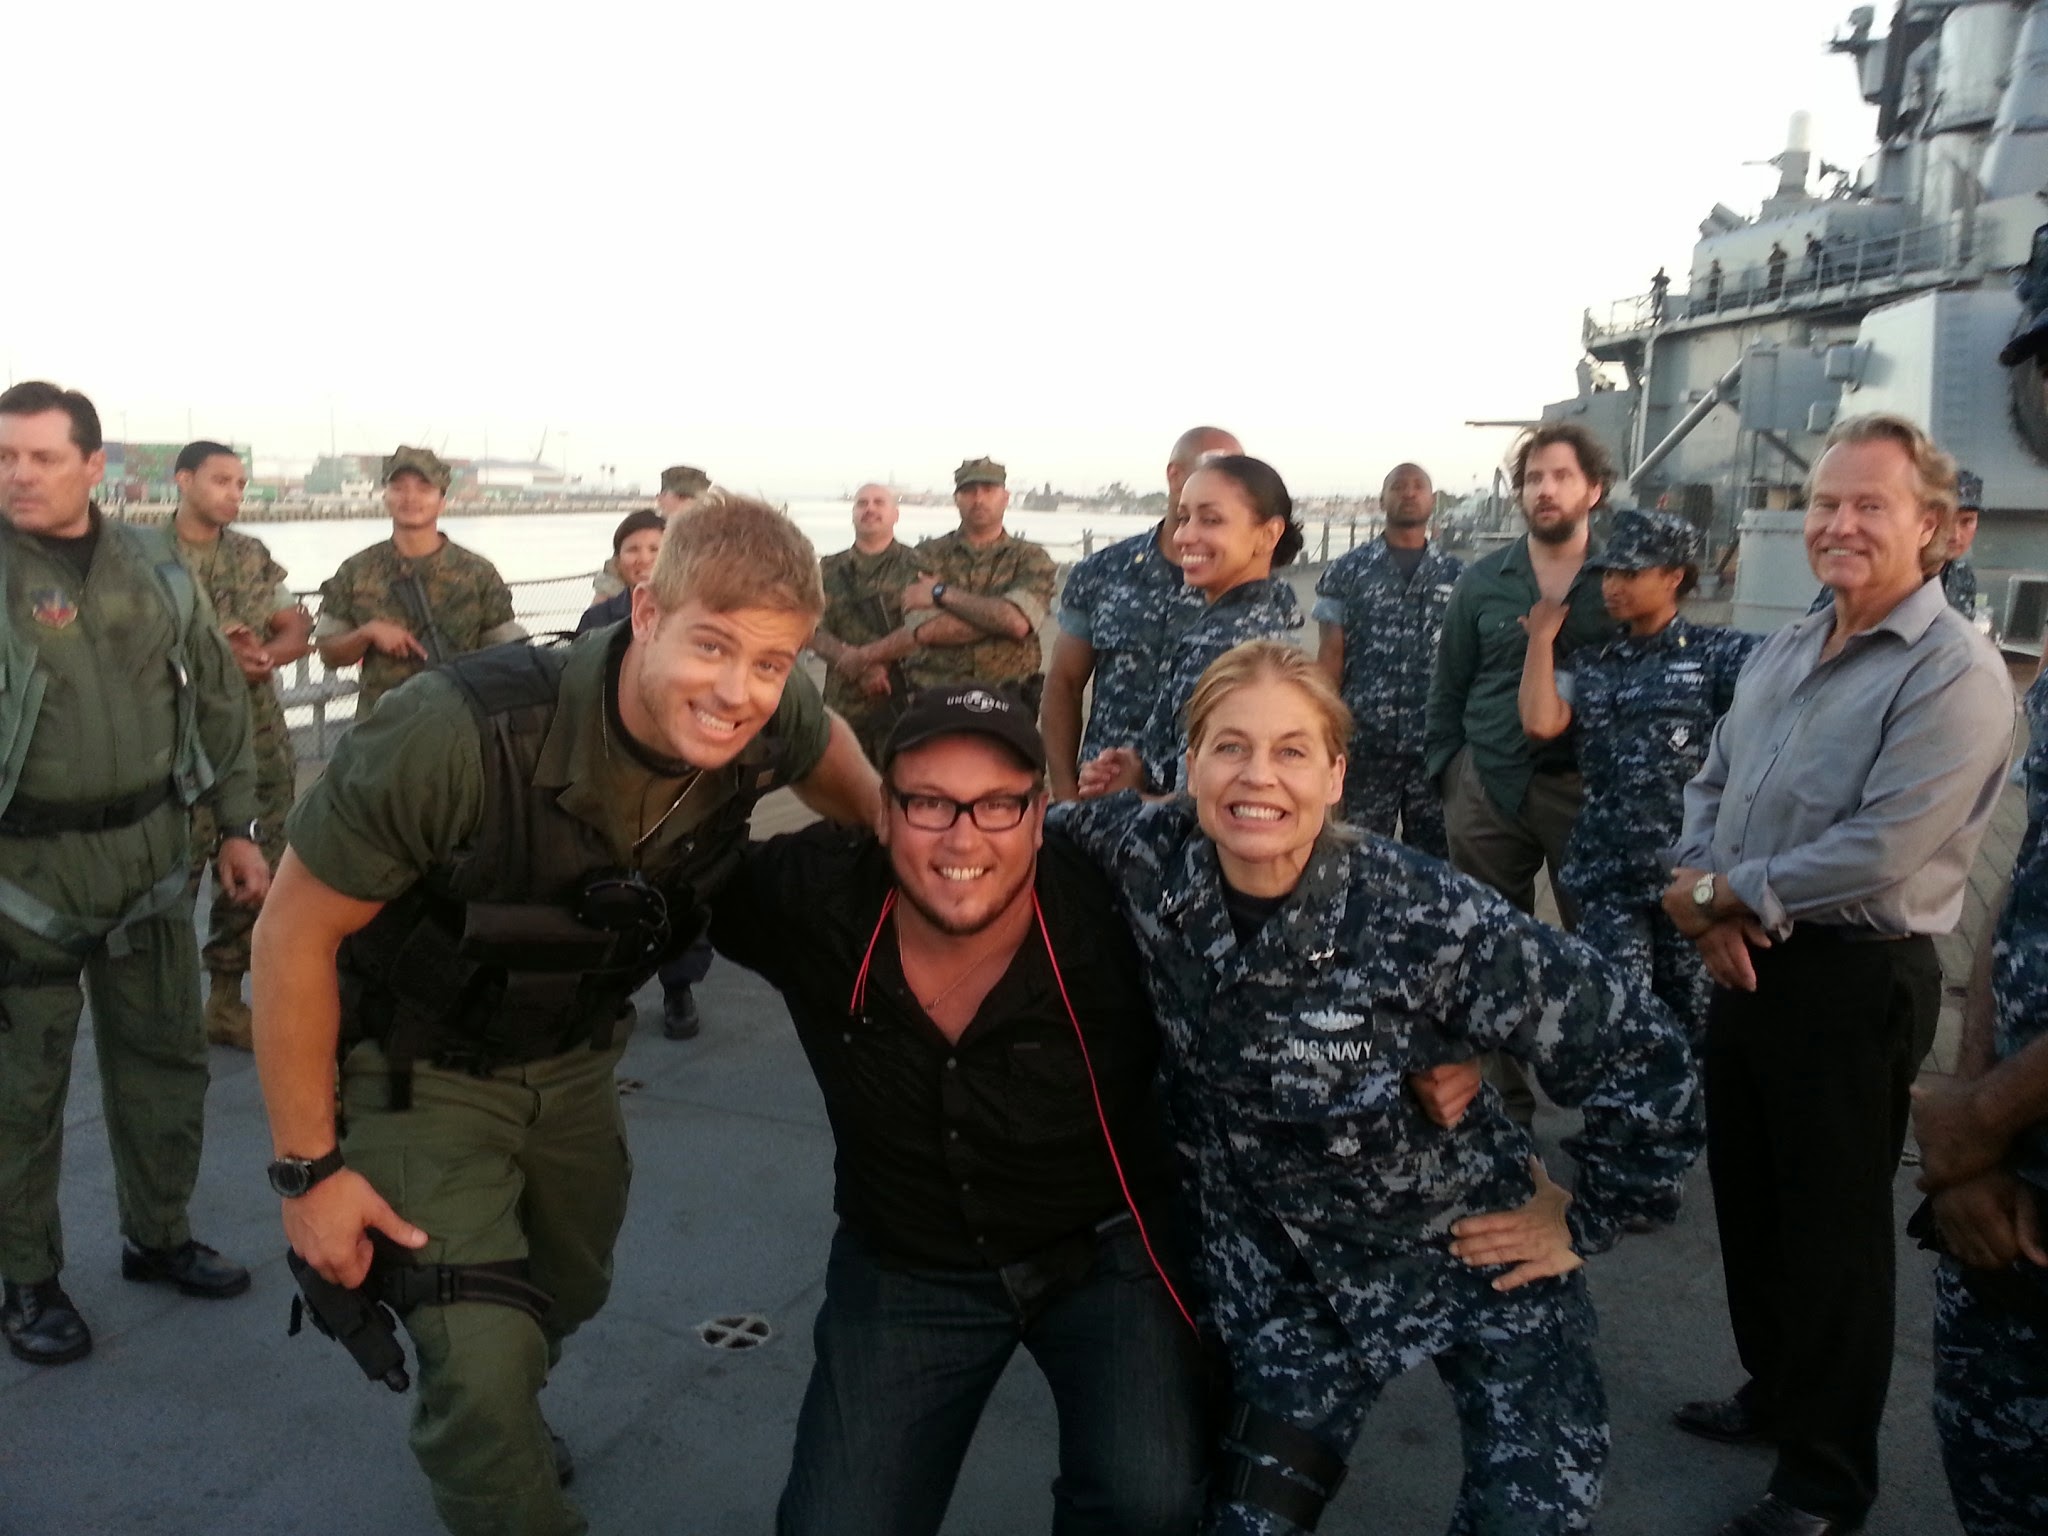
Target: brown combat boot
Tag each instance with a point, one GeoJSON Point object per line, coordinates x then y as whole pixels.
{"type": "Point", "coordinates": [227, 1016]}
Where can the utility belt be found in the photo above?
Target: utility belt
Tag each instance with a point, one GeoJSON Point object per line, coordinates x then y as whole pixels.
{"type": "Point", "coordinates": [47, 818]}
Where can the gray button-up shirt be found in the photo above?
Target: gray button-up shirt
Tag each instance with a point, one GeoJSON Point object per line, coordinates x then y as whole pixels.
{"type": "Point", "coordinates": [1856, 790]}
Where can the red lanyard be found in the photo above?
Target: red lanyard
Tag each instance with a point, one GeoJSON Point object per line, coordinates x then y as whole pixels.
{"type": "Point", "coordinates": [858, 1001]}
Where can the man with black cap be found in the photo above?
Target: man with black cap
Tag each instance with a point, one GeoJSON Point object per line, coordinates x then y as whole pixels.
{"type": "Point", "coordinates": [974, 1012]}
{"type": "Point", "coordinates": [418, 598]}
{"type": "Point", "coordinates": [974, 616]}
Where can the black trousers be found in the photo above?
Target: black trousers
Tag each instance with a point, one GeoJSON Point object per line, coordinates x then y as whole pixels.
{"type": "Point", "coordinates": [1806, 1084]}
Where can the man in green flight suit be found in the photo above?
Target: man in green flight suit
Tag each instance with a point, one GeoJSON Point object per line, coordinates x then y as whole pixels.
{"type": "Point", "coordinates": [490, 867]}
{"type": "Point", "coordinates": [974, 615]}
{"type": "Point", "coordinates": [864, 604]}
{"type": "Point", "coordinates": [267, 628]}
{"type": "Point", "coordinates": [418, 598]}
{"type": "Point", "coordinates": [121, 708]}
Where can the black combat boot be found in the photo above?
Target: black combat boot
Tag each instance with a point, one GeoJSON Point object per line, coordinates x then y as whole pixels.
{"type": "Point", "coordinates": [41, 1324]}
{"type": "Point", "coordinates": [193, 1268]}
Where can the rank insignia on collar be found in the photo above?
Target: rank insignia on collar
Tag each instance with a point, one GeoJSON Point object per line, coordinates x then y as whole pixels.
{"type": "Point", "coordinates": [52, 608]}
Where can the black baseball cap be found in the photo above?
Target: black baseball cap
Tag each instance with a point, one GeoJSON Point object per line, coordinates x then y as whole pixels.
{"type": "Point", "coordinates": [967, 709]}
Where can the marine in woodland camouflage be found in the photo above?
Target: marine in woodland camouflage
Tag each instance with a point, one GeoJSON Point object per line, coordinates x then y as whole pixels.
{"type": "Point", "coordinates": [467, 597]}
{"type": "Point", "coordinates": [247, 587]}
{"type": "Point", "coordinates": [1011, 568]}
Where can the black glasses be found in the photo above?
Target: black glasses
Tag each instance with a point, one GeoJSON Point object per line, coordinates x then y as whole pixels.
{"type": "Point", "coordinates": [935, 813]}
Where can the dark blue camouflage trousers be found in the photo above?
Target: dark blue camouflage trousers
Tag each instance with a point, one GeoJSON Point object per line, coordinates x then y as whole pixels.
{"type": "Point", "coordinates": [1382, 792]}
{"type": "Point", "coordinates": [1644, 943]}
{"type": "Point", "coordinates": [1991, 1397]}
{"type": "Point", "coordinates": [1532, 1412]}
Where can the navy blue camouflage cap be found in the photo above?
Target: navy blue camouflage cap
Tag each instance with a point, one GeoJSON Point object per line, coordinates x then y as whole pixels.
{"type": "Point", "coordinates": [1969, 491]}
{"type": "Point", "coordinates": [1641, 541]}
{"type": "Point", "coordinates": [966, 709]}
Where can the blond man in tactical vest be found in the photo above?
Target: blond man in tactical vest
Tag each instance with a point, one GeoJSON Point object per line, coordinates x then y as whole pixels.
{"type": "Point", "coordinates": [120, 709]}
{"type": "Point", "coordinates": [493, 863]}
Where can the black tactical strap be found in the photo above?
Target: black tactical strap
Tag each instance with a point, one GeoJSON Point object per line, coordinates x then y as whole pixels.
{"type": "Point", "coordinates": [1266, 1488]}
{"type": "Point", "coordinates": [19, 973]}
{"type": "Point", "coordinates": [503, 1284]}
{"type": "Point", "coordinates": [1264, 1434]}
{"type": "Point", "coordinates": [46, 818]}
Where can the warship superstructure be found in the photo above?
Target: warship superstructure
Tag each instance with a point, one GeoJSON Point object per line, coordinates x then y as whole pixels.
{"type": "Point", "coordinates": [1893, 286]}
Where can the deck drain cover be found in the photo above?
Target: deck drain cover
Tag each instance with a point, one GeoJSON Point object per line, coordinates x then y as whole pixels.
{"type": "Point", "coordinates": [740, 1330]}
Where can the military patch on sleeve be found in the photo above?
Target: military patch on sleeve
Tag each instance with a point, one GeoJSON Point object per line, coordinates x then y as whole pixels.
{"type": "Point", "coordinates": [52, 608]}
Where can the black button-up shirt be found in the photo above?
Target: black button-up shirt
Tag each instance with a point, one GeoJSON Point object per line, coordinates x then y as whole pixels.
{"type": "Point", "coordinates": [967, 1154]}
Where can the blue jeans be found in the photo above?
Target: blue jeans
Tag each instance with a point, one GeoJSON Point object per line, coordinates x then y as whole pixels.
{"type": "Point", "coordinates": [687, 969]}
{"type": "Point", "coordinates": [906, 1362]}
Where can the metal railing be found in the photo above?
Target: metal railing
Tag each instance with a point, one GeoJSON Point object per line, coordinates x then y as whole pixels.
{"type": "Point", "coordinates": [1837, 269]}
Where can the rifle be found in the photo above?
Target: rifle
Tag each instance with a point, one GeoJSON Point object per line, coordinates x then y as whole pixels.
{"type": "Point", "coordinates": [419, 617]}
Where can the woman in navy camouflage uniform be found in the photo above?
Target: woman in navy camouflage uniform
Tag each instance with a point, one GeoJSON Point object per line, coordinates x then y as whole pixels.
{"type": "Point", "coordinates": [1301, 973]}
{"type": "Point", "coordinates": [1236, 528]}
{"type": "Point", "coordinates": [1645, 706]}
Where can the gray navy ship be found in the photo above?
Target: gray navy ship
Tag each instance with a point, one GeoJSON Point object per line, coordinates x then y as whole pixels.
{"type": "Point", "coordinates": [1914, 283]}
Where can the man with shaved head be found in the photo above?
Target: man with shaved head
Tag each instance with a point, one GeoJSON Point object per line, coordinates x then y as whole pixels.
{"type": "Point", "coordinates": [1119, 607]}
{"type": "Point", "coordinates": [1380, 609]}
{"type": "Point", "coordinates": [863, 605]}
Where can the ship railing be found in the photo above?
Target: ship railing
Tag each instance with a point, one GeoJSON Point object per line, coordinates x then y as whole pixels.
{"type": "Point", "coordinates": [1835, 270]}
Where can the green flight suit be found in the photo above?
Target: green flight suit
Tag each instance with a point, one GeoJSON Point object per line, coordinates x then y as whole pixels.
{"type": "Point", "coordinates": [89, 674]}
{"type": "Point", "coordinates": [247, 587]}
{"type": "Point", "coordinates": [526, 1162]}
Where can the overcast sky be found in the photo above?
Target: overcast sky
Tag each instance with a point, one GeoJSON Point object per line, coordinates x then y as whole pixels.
{"type": "Point", "coordinates": [804, 245]}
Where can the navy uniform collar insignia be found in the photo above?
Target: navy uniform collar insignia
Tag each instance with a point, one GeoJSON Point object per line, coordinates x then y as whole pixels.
{"type": "Point", "coordinates": [52, 608]}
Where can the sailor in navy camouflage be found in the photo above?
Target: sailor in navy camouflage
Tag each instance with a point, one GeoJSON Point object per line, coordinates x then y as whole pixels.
{"type": "Point", "coordinates": [1125, 601]}
{"type": "Point", "coordinates": [1644, 707]}
{"type": "Point", "coordinates": [1382, 612]}
{"type": "Point", "coordinates": [1326, 1198]}
{"type": "Point", "coordinates": [1991, 1327]}
{"type": "Point", "coordinates": [1258, 610]}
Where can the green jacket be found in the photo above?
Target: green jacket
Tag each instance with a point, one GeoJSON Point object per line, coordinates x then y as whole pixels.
{"type": "Point", "coordinates": [1472, 696]}
{"type": "Point", "coordinates": [146, 688]}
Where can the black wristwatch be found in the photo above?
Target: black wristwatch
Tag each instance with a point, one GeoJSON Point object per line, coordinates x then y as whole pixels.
{"type": "Point", "coordinates": [293, 1176]}
{"type": "Point", "coordinates": [938, 594]}
{"type": "Point", "coordinates": [252, 830]}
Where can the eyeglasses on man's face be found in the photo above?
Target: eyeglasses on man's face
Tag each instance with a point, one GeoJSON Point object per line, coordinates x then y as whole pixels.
{"type": "Point", "coordinates": [936, 813]}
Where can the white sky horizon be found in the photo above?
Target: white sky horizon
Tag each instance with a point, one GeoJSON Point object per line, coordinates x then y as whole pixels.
{"type": "Point", "coordinates": [807, 246]}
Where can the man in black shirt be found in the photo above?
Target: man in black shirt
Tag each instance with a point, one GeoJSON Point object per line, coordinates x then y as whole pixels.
{"type": "Point", "coordinates": [943, 973]}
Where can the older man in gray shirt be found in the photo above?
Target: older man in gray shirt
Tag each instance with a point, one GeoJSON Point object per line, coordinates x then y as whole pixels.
{"type": "Point", "coordinates": [1827, 840]}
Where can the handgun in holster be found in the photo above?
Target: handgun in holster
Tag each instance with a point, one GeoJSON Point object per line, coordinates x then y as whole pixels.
{"type": "Point", "coordinates": [363, 1319]}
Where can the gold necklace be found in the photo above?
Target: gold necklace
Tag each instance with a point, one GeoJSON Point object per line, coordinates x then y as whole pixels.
{"type": "Point", "coordinates": [928, 1004]}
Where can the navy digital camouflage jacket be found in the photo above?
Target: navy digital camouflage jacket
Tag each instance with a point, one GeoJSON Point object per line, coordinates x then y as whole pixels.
{"type": "Point", "coordinates": [1645, 708]}
{"type": "Point", "coordinates": [1125, 601]}
{"type": "Point", "coordinates": [1392, 625]}
{"type": "Point", "coordinates": [1258, 610]}
{"type": "Point", "coordinates": [2019, 955]}
{"type": "Point", "coordinates": [1287, 1058]}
